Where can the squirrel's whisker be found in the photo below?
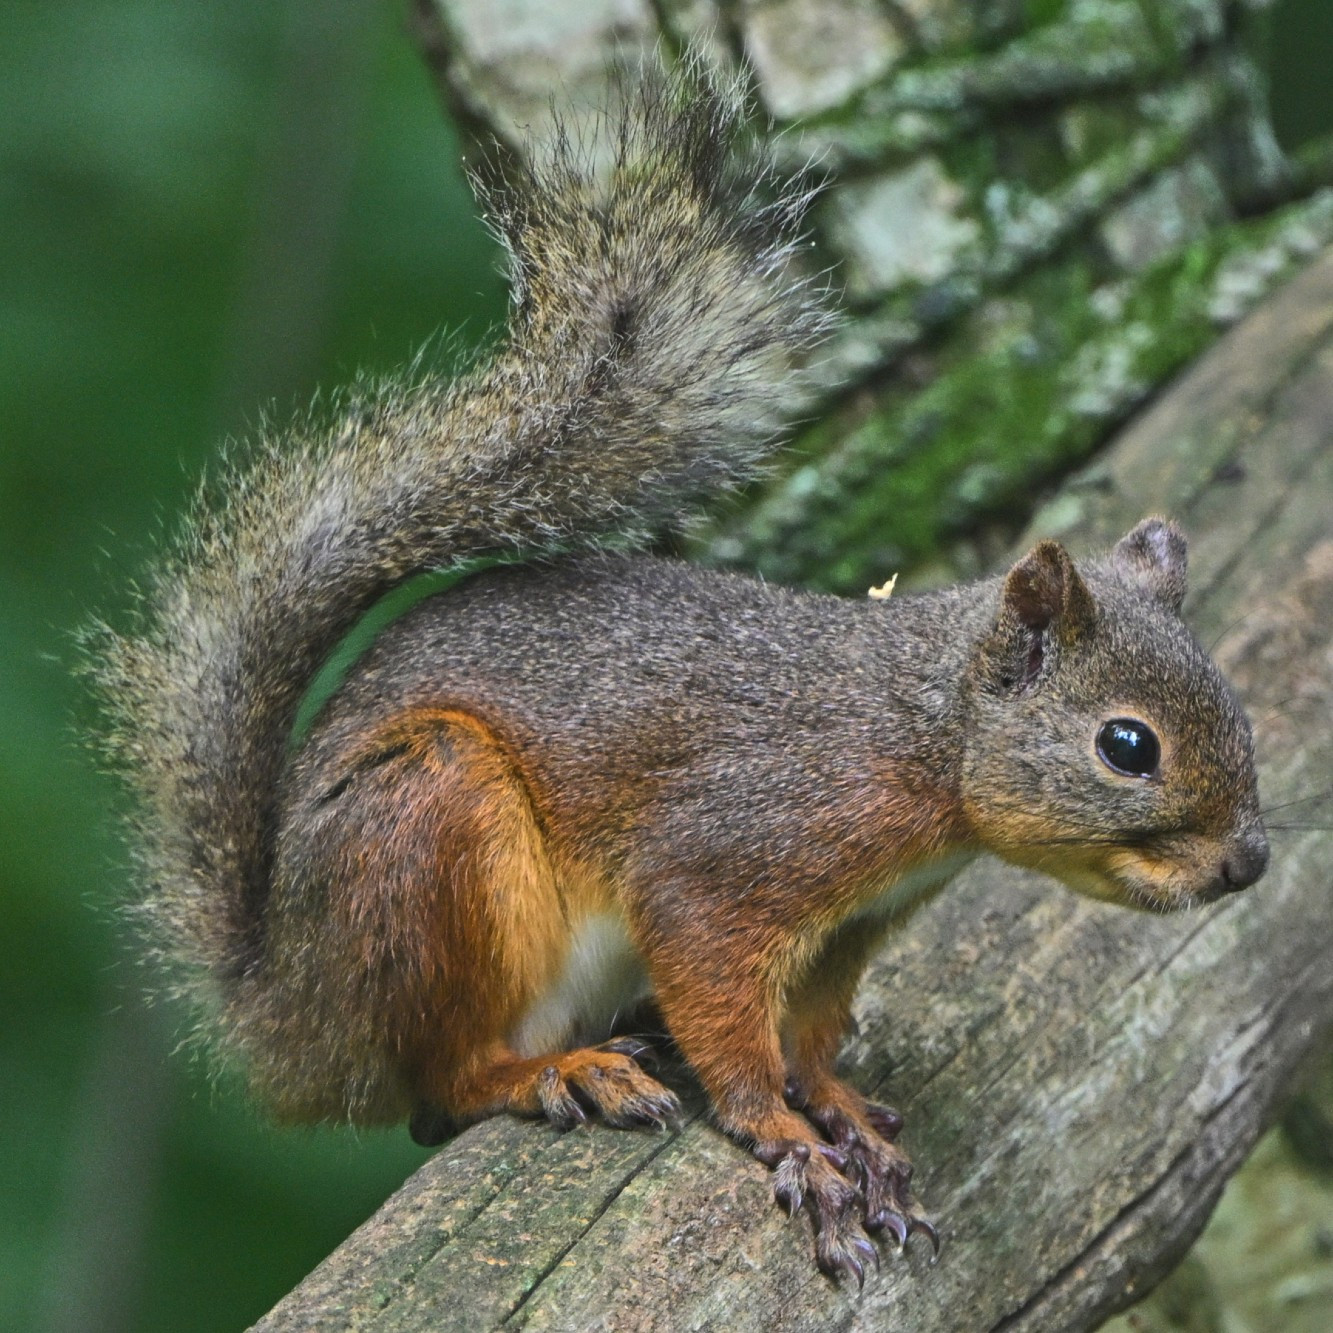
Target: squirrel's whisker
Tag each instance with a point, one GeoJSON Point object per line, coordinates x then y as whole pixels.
{"type": "Point", "coordinates": [1312, 799]}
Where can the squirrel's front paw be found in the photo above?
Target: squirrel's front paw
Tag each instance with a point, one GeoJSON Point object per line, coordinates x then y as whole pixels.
{"type": "Point", "coordinates": [881, 1170]}
{"type": "Point", "coordinates": [863, 1135]}
{"type": "Point", "coordinates": [813, 1175]}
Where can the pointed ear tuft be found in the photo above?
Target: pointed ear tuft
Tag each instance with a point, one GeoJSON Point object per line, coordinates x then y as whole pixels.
{"type": "Point", "coordinates": [1044, 590]}
{"type": "Point", "coordinates": [1153, 557]}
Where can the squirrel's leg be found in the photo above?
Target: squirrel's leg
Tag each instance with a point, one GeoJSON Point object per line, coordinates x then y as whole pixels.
{"type": "Point", "coordinates": [818, 1017]}
{"type": "Point", "coordinates": [452, 910]}
{"type": "Point", "coordinates": [505, 889]}
{"type": "Point", "coordinates": [722, 1013]}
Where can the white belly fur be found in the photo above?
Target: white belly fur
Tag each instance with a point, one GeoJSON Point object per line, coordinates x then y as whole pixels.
{"type": "Point", "coordinates": [603, 977]}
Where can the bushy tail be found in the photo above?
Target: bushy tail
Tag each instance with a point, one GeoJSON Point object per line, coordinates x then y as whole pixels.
{"type": "Point", "coordinates": [654, 325]}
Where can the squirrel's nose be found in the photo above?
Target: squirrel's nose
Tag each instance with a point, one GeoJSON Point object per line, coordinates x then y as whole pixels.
{"type": "Point", "coordinates": [1247, 860]}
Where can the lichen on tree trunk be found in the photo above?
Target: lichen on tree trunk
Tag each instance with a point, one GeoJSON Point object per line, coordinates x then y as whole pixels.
{"type": "Point", "coordinates": [1037, 213]}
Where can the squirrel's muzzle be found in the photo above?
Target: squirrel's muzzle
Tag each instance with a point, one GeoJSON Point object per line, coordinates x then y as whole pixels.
{"type": "Point", "coordinates": [1245, 862]}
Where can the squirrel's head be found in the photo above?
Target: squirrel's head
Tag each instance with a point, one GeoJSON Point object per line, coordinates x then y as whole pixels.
{"type": "Point", "coordinates": [1102, 744]}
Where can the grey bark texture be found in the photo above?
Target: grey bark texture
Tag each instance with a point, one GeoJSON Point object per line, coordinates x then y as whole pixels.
{"type": "Point", "coordinates": [1078, 1081]}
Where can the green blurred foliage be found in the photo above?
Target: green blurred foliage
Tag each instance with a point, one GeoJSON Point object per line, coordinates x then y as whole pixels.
{"type": "Point", "coordinates": [171, 255]}
{"type": "Point", "coordinates": [1299, 39]}
{"type": "Point", "coordinates": [202, 207]}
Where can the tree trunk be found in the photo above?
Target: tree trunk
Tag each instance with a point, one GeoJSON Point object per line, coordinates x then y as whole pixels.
{"type": "Point", "coordinates": [1036, 222]}
{"type": "Point", "coordinates": [1078, 1081]}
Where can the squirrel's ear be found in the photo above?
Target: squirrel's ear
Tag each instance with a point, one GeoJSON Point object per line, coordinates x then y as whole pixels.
{"type": "Point", "coordinates": [1042, 592]}
{"type": "Point", "coordinates": [1154, 557]}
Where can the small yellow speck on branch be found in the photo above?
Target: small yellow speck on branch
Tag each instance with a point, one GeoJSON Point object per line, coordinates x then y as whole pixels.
{"type": "Point", "coordinates": [884, 591]}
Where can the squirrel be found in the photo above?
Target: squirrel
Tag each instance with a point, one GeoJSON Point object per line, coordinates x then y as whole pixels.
{"type": "Point", "coordinates": [586, 776]}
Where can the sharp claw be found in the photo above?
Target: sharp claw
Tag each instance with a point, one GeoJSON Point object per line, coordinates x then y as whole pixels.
{"type": "Point", "coordinates": [789, 1186]}
{"type": "Point", "coordinates": [927, 1229]}
{"type": "Point", "coordinates": [660, 1111]}
{"type": "Point", "coordinates": [578, 1111]}
{"type": "Point", "coordinates": [887, 1220]}
{"type": "Point", "coordinates": [863, 1246]}
{"type": "Point", "coordinates": [838, 1266]}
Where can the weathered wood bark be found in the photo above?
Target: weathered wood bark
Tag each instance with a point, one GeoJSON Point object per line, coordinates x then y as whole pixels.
{"type": "Point", "coordinates": [1078, 1080]}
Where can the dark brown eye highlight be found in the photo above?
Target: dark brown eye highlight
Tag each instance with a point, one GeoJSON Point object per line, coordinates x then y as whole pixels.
{"type": "Point", "coordinates": [1128, 746]}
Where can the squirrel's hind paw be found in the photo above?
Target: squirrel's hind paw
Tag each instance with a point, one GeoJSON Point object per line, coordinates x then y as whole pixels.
{"type": "Point", "coordinates": [608, 1082]}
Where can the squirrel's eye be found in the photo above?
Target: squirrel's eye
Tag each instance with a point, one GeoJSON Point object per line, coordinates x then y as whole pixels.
{"type": "Point", "coordinates": [1129, 747]}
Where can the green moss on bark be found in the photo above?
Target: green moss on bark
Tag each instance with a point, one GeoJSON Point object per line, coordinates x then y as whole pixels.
{"type": "Point", "coordinates": [1022, 389]}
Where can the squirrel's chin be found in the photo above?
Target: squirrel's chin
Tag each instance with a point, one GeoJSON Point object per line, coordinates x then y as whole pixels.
{"type": "Point", "coordinates": [1130, 891]}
